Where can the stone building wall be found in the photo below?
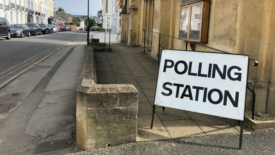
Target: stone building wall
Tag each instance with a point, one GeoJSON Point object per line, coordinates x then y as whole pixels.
{"type": "Point", "coordinates": [235, 26]}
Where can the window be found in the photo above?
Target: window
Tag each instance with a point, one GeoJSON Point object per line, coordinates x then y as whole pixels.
{"type": "Point", "coordinates": [1, 21]}
{"type": "Point", "coordinates": [194, 22]}
{"type": "Point", "coordinates": [11, 18]}
{"type": "Point", "coordinates": [107, 6]}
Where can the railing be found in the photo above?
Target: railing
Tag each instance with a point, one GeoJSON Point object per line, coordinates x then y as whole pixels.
{"type": "Point", "coordinates": [193, 46]}
{"type": "Point", "coordinates": [125, 34]}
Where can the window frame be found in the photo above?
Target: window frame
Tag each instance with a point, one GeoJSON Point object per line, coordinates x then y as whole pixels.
{"type": "Point", "coordinates": [204, 27]}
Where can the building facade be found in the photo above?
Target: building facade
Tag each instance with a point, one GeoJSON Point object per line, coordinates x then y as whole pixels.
{"type": "Point", "coordinates": [107, 14]}
{"type": "Point", "coordinates": [82, 20]}
{"type": "Point", "coordinates": [117, 7]}
{"type": "Point", "coordinates": [24, 11]}
{"type": "Point", "coordinates": [50, 10]}
{"type": "Point", "coordinates": [234, 26]}
{"type": "Point", "coordinates": [99, 18]}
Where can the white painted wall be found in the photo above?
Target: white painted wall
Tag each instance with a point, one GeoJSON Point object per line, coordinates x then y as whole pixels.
{"type": "Point", "coordinates": [107, 14]}
{"type": "Point", "coordinates": [115, 18]}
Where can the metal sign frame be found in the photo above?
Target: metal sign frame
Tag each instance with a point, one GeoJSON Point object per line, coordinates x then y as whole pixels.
{"type": "Point", "coordinates": [241, 123]}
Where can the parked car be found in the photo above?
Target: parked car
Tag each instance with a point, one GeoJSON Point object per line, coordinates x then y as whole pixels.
{"type": "Point", "coordinates": [44, 28]}
{"type": "Point", "coordinates": [54, 28]}
{"type": "Point", "coordinates": [68, 28]}
{"type": "Point", "coordinates": [50, 27]}
{"type": "Point", "coordinates": [93, 28]}
{"type": "Point", "coordinates": [80, 28]}
{"type": "Point", "coordinates": [58, 28]}
{"type": "Point", "coordinates": [20, 30]}
{"type": "Point", "coordinates": [34, 28]}
{"type": "Point", "coordinates": [5, 28]}
{"type": "Point", "coordinates": [62, 27]}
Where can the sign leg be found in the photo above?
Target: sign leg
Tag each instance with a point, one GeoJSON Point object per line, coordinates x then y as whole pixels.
{"type": "Point", "coordinates": [153, 114]}
{"type": "Point", "coordinates": [241, 135]}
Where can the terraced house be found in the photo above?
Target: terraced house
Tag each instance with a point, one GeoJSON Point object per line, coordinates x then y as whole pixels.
{"type": "Point", "coordinates": [26, 11]}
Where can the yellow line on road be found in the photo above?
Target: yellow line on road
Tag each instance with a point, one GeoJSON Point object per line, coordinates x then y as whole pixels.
{"type": "Point", "coordinates": [17, 75]}
{"type": "Point", "coordinates": [34, 57]}
{"type": "Point", "coordinates": [21, 66]}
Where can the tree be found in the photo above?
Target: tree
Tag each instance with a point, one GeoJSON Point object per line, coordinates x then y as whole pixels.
{"type": "Point", "coordinates": [66, 23]}
{"type": "Point", "coordinates": [60, 9]}
{"type": "Point", "coordinates": [91, 22]}
{"type": "Point", "coordinates": [75, 20]}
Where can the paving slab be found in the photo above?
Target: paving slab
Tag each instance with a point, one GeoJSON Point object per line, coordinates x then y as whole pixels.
{"type": "Point", "coordinates": [183, 128]}
{"type": "Point", "coordinates": [218, 129]}
{"type": "Point", "coordinates": [144, 131]}
{"type": "Point", "coordinates": [170, 114]}
{"type": "Point", "coordinates": [145, 85]}
{"type": "Point", "coordinates": [144, 108]}
{"type": "Point", "coordinates": [170, 123]}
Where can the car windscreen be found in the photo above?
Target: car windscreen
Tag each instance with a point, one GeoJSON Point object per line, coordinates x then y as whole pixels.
{"type": "Point", "coordinates": [42, 25]}
{"type": "Point", "coordinates": [61, 25]}
{"type": "Point", "coordinates": [16, 26]}
{"type": "Point", "coordinates": [31, 25]}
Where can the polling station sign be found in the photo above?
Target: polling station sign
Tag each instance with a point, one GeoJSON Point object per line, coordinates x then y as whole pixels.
{"type": "Point", "coordinates": [203, 82]}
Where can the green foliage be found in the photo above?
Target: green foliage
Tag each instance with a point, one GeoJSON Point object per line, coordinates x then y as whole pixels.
{"type": "Point", "coordinates": [75, 21]}
{"type": "Point", "coordinates": [66, 23]}
{"type": "Point", "coordinates": [91, 22]}
{"type": "Point", "coordinates": [60, 9]}
{"type": "Point", "coordinates": [98, 29]}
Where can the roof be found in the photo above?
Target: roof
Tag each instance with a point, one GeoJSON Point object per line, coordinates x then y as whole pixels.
{"type": "Point", "coordinates": [81, 17]}
{"type": "Point", "coordinates": [56, 16]}
{"type": "Point", "coordinates": [64, 14]}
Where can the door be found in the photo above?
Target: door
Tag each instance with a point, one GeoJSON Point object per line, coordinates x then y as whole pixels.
{"type": "Point", "coordinates": [1, 27]}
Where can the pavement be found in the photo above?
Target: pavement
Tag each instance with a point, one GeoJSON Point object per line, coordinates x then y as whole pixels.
{"type": "Point", "coordinates": [132, 66]}
{"type": "Point", "coordinates": [39, 109]}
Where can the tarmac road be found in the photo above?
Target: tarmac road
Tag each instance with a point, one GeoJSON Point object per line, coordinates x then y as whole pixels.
{"type": "Point", "coordinates": [19, 54]}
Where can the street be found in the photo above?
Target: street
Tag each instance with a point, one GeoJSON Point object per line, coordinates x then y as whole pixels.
{"type": "Point", "coordinates": [37, 104]}
{"type": "Point", "coordinates": [18, 54]}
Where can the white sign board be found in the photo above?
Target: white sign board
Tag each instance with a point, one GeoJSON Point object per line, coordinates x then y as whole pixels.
{"type": "Point", "coordinates": [207, 83]}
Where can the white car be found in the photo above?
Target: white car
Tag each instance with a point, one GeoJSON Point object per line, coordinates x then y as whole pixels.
{"type": "Point", "coordinates": [55, 30]}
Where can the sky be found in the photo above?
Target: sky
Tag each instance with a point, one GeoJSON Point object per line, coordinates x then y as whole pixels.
{"type": "Point", "coordinates": [79, 7]}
